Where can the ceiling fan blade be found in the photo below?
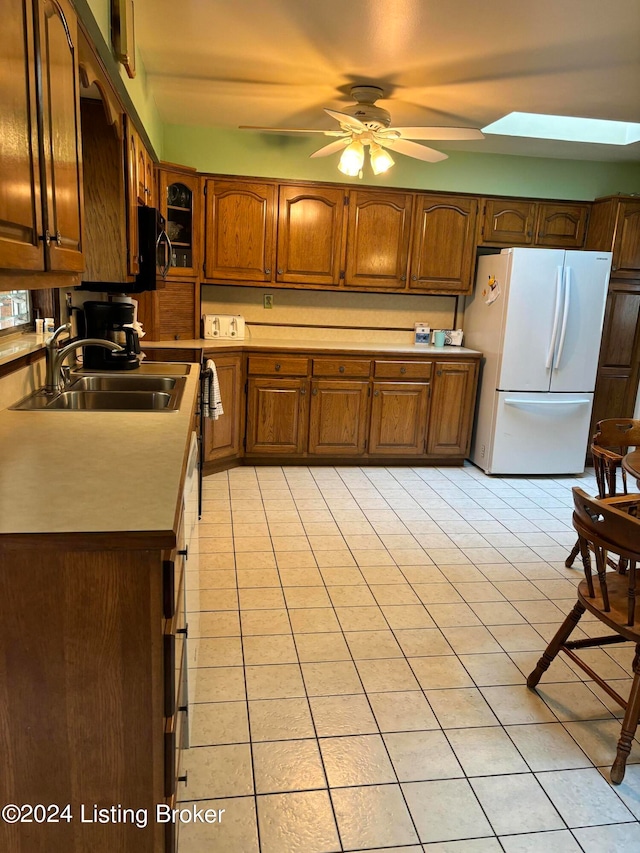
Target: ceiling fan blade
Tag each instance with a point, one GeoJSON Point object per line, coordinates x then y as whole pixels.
{"type": "Point", "coordinates": [438, 132]}
{"type": "Point", "coordinates": [412, 149]}
{"type": "Point", "coordinates": [346, 119]}
{"type": "Point", "coordinates": [331, 148]}
{"type": "Point", "coordinates": [291, 130]}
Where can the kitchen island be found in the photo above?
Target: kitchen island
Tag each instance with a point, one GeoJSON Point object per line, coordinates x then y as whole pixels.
{"type": "Point", "coordinates": [94, 518]}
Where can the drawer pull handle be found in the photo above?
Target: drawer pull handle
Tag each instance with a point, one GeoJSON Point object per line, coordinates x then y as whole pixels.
{"type": "Point", "coordinates": [278, 367]}
{"type": "Point", "coordinates": [184, 778]}
{"type": "Point", "coordinates": [184, 552]}
{"type": "Point", "coordinates": [403, 370]}
{"type": "Point", "coordinates": [341, 368]}
{"type": "Point", "coordinates": [184, 631]}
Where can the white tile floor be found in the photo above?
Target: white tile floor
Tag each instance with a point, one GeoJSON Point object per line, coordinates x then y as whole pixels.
{"type": "Point", "coordinates": [359, 642]}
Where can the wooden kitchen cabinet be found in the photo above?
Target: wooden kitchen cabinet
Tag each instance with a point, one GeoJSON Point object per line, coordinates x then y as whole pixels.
{"type": "Point", "coordinates": [240, 231]}
{"type": "Point", "coordinates": [378, 234]}
{"type": "Point", "coordinates": [310, 234]}
{"type": "Point", "coordinates": [398, 418]}
{"type": "Point", "coordinates": [521, 222]}
{"type": "Point", "coordinates": [179, 203]}
{"type": "Point", "coordinates": [561, 226]}
{"type": "Point", "coordinates": [277, 415]}
{"type": "Point", "coordinates": [223, 437]}
{"type": "Point", "coordinates": [507, 222]}
{"type": "Point", "coordinates": [452, 405]}
{"type": "Point", "coordinates": [338, 417]}
{"type": "Point", "coordinates": [615, 227]}
{"type": "Point", "coordinates": [443, 253]}
{"type": "Point", "coordinates": [41, 202]}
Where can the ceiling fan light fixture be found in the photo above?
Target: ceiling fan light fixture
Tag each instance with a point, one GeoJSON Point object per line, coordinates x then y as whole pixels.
{"type": "Point", "coordinates": [352, 159]}
{"type": "Point", "coordinates": [381, 160]}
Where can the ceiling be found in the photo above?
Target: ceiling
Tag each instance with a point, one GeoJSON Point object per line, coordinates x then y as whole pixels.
{"type": "Point", "coordinates": [445, 62]}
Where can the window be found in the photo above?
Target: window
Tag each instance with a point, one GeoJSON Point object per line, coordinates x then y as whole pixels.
{"type": "Point", "coordinates": [15, 310]}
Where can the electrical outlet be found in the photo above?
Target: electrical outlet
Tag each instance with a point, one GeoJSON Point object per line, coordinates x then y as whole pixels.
{"type": "Point", "coordinates": [267, 300]}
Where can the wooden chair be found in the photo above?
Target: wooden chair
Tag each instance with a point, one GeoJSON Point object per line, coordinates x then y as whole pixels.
{"type": "Point", "coordinates": [612, 440]}
{"type": "Point", "coordinates": [604, 529]}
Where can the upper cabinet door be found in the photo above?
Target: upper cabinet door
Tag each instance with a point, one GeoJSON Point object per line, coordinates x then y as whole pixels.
{"type": "Point", "coordinates": [378, 234]}
{"type": "Point", "coordinates": [508, 222]}
{"type": "Point", "coordinates": [20, 204]}
{"type": "Point", "coordinates": [179, 203]}
{"type": "Point", "coordinates": [310, 228]}
{"type": "Point", "coordinates": [132, 146]}
{"type": "Point", "coordinates": [562, 226]}
{"type": "Point", "coordinates": [57, 38]}
{"type": "Point", "coordinates": [443, 244]}
{"type": "Point", "coordinates": [626, 246]}
{"type": "Point", "coordinates": [239, 230]}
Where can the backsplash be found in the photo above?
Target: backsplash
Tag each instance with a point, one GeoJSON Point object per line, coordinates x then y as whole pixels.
{"type": "Point", "coordinates": [384, 317]}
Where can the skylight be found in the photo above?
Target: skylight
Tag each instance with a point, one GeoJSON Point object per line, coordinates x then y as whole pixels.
{"type": "Point", "coordinates": [567, 128]}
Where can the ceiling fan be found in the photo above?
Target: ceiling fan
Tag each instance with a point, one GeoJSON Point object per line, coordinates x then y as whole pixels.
{"type": "Point", "coordinates": [365, 124]}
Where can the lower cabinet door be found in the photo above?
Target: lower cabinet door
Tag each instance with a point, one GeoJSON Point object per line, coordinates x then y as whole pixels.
{"type": "Point", "coordinates": [222, 436]}
{"type": "Point", "coordinates": [338, 419]}
{"type": "Point", "coordinates": [451, 419]}
{"type": "Point", "coordinates": [277, 416]}
{"type": "Point", "coordinates": [399, 418]}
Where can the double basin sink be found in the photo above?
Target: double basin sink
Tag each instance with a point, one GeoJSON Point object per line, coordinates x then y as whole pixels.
{"type": "Point", "coordinates": [108, 392]}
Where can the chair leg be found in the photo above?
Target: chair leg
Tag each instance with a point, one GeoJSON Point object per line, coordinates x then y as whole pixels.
{"type": "Point", "coordinates": [562, 635]}
{"type": "Point", "coordinates": [572, 556]}
{"type": "Point", "coordinates": [629, 724]}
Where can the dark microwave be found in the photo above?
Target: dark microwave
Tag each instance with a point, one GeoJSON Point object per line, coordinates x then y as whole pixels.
{"type": "Point", "coordinates": [154, 256]}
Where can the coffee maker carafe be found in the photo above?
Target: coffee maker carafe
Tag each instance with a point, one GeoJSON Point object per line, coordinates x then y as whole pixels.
{"type": "Point", "coordinates": [111, 321]}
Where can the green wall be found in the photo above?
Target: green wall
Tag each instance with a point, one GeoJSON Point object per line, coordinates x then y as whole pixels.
{"type": "Point", "coordinates": [237, 152]}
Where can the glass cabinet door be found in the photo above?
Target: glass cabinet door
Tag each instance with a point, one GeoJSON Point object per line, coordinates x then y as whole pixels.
{"type": "Point", "coordinates": [179, 198]}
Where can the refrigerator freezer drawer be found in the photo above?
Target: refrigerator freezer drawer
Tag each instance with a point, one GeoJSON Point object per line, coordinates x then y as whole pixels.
{"type": "Point", "coordinates": [539, 433]}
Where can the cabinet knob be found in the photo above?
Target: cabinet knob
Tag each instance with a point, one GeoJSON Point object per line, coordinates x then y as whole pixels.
{"type": "Point", "coordinates": [614, 268]}
{"type": "Point", "coordinates": [414, 278]}
{"type": "Point", "coordinates": [315, 392]}
{"type": "Point", "coordinates": [303, 392]}
{"type": "Point", "coordinates": [278, 366]}
{"type": "Point", "coordinates": [438, 373]}
{"type": "Point", "coordinates": [280, 272]}
{"type": "Point", "coordinates": [403, 370]}
{"type": "Point", "coordinates": [267, 271]}
{"type": "Point", "coordinates": [403, 278]}
{"type": "Point", "coordinates": [341, 368]}
{"type": "Point", "coordinates": [376, 393]}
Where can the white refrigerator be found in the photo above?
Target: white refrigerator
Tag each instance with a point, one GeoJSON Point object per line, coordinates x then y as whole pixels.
{"type": "Point", "coordinates": [536, 314]}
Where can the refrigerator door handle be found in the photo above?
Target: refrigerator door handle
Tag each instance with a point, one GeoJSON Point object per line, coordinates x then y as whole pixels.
{"type": "Point", "coordinates": [556, 319]}
{"type": "Point", "coordinates": [512, 402]}
{"type": "Point", "coordinates": [565, 314]}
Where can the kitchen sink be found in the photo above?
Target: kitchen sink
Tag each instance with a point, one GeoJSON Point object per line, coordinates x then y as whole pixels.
{"type": "Point", "coordinates": [102, 382]}
{"type": "Point", "coordinates": [111, 393]}
{"type": "Point", "coordinates": [112, 401]}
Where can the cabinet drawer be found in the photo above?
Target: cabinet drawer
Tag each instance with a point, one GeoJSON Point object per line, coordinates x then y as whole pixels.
{"type": "Point", "coordinates": [340, 367]}
{"type": "Point", "coordinates": [278, 365]}
{"type": "Point", "coordinates": [173, 737]}
{"type": "Point", "coordinates": [172, 579]}
{"type": "Point", "coordinates": [402, 369]}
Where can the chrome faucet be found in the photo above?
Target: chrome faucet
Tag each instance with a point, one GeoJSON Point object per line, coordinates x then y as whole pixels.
{"type": "Point", "coordinates": [56, 356]}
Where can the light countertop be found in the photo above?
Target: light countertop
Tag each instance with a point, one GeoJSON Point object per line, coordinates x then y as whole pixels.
{"type": "Point", "coordinates": [343, 345]}
{"type": "Point", "coordinates": [93, 472]}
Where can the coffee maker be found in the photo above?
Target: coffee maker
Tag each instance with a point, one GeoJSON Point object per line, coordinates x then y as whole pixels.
{"type": "Point", "coordinates": [111, 321]}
